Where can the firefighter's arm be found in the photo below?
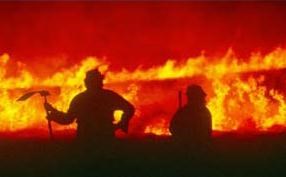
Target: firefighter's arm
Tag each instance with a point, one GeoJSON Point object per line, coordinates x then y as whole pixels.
{"type": "Point", "coordinates": [58, 116]}
{"type": "Point", "coordinates": [128, 112]}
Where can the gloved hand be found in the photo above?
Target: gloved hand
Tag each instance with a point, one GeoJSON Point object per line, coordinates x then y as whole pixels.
{"type": "Point", "coordinates": [48, 106]}
{"type": "Point", "coordinates": [50, 110]}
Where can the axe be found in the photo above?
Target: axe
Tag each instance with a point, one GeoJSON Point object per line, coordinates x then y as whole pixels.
{"type": "Point", "coordinates": [43, 93]}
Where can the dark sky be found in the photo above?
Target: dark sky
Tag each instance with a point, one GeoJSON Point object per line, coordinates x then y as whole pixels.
{"type": "Point", "coordinates": [132, 34]}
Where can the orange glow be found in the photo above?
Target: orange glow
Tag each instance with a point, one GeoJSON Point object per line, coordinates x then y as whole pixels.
{"type": "Point", "coordinates": [238, 96]}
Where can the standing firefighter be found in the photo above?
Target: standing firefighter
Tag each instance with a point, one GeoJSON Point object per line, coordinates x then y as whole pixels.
{"type": "Point", "coordinates": [93, 111]}
{"type": "Point", "coordinates": [191, 125]}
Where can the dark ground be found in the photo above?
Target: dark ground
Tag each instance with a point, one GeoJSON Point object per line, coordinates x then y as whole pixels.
{"type": "Point", "coordinates": [230, 155]}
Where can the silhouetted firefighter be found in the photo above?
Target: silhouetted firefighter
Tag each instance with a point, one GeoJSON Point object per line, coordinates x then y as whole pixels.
{"type": "Point", "coordinates": [93, 110]}
{"type": "Point", "coordinates": [191, 125]}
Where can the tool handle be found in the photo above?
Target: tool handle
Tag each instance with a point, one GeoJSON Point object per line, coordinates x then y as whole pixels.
{"type": "Point", "coordinates": [49, 122]}
{"type": "Point", "coordinates": [50, 130]}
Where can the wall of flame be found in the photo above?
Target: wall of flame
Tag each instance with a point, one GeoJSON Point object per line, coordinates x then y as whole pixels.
{"type": "Point", "coordinates": [244, 94]}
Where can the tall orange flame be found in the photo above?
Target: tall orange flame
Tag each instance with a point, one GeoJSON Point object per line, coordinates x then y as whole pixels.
{"type": "Point", "coordinates": [238, 96]}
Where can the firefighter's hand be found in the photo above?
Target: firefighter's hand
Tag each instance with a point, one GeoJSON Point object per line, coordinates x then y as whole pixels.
{"type": "Point", "coordinates": [49, 117]}
{"type": "Point", "coordinates": [48, 107]}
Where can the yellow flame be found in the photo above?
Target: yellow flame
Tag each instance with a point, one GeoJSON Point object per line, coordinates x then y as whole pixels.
{"type": "Point", "coordinates": [233, 102]}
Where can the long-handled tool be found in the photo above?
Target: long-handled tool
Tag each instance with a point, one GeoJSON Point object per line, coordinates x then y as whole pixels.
{"type": "Point", "coordinates": [43, 93]}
